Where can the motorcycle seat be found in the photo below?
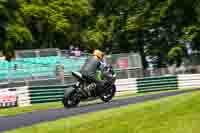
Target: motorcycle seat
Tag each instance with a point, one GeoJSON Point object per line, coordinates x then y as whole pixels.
{"type": "Point", "coordinates": [77, 75]}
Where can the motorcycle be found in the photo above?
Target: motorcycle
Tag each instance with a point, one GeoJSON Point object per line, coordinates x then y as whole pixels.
{"type": "Point", "coordinates": [85, 90]}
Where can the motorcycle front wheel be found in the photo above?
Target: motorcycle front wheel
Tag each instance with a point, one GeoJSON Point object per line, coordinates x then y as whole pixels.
{"type": "Point", "coordinates": [108, 94]}
{"type": "Point", "coordinates": [71, 101]}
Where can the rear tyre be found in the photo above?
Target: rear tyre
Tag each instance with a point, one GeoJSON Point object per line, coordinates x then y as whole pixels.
{"type": "Point", "coordinates": [108, 94]}
{"type": "Point", "coordinates": [71, 101]}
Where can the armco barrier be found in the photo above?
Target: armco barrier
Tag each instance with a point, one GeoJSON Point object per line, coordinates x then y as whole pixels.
{"type": "Point", "coordinates": [43, 94]}
{"type": "Point", "coordinates": [189, 81]}
{"type": "Point", "coordinates": [157, 83]}
{"type": "Point", "coordinates": [23, 96]}
{"type": "Point", "coordinates": [126, 85]}
{"type": "Point", "coordinates": [46, 94]}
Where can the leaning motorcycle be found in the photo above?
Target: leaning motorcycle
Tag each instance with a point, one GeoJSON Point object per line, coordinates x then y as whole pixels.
{"type": "Point", "coordinates": [85, 90]}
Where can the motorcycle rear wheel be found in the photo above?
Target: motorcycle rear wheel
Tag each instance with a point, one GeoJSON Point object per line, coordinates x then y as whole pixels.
{"type": "Point", "coordinates": [71, 101]}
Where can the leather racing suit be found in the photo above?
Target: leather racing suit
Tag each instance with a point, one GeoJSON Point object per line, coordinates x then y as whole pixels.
{"type": "Point", "coordinates": [89, 71]}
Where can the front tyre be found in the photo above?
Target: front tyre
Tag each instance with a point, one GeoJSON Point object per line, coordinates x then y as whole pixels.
{"type": "Point", "coordinates": [71, 101]}
{"type": "Point", "coordinates": [108, 94]}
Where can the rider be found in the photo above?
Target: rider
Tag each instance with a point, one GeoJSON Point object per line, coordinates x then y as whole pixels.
{"type": "Point", "coordinates": [91, 66]}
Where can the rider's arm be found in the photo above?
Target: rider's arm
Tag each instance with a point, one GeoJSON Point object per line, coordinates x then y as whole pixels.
{"type": "Point", "coordinates": [102, 66]}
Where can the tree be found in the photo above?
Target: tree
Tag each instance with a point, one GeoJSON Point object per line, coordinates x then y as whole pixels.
{"type": "Point", "coordinates": [6, 15]}
{"type": "Point", "coordinates": [55, 23]}
{"type": "Point", "coordinates": [154, 28]}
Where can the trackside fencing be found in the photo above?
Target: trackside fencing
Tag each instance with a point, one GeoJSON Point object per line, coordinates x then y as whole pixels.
{"type": "Point", "coordinates": [157, 83]}
{"type": "Point", "coordinates": [27, 95]}
{"type": "Point", "coordinates": [46, 94]}
{"type": "Point", "coordinates": [126, 85]}
{"type": "Point", "coordinates": [189, 81]}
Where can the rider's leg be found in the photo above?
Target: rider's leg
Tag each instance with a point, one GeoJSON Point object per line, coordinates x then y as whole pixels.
{"type": "Point", "coordinates": [99, 83]}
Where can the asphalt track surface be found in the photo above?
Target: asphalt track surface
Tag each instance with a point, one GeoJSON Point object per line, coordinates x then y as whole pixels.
{"type": "Point", "coordinates": [28, 119]}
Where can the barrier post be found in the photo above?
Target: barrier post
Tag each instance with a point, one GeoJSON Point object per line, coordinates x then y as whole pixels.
{"type": "Point", "coordinates": [60, 73]}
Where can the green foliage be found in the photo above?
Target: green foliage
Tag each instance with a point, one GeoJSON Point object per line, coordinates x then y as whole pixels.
{"type": "Point", "coordinates": [18, 34]}
{"type": "Point", "coordinates": [53, 18]}
{"type": "Point", "coordinates": [99, 34]}
{"type": "Point", "coordinates": [175, 54]}
{"type": "Point", "coordinates": [153, 28]}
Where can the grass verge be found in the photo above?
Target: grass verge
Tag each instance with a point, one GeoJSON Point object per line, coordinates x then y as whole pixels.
{"type": "Point", "coordinates": [176, 114]}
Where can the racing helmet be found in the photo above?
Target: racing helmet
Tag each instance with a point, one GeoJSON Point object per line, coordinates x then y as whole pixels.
{"type": "Point", "coordinates": [99, 54]}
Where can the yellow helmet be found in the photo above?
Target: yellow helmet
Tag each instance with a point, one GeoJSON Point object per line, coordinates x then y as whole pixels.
{"type": "Point", "coordinates": [99, 54]}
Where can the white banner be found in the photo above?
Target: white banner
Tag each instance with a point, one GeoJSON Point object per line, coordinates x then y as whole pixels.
{"type": "Point", "coordinates": [7, 98]}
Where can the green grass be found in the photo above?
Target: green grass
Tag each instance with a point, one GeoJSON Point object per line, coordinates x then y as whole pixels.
{"type": "Point", "coordinates": [55, 105]}
{"type": "Point", "coordinates": [177, 114]}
